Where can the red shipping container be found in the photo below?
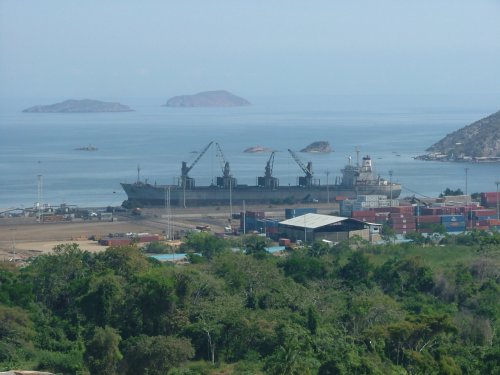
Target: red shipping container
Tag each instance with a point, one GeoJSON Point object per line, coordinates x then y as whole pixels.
{"type": "Point", "coordinates": [400, 216]}
{"type": "Point", "coordinates": [364, 213]}
{"type": "Point", "coordinates": [403, 226]}
{"type": "Point", "coordinates": [428, 219]}
{"type": "Point", "coordinates": [479, 213]}
{"type": "Point", "coordinates": [402, 209]}
{"type": "Point", "coordinates": [256, 214]}
{"type": "Point", "coordinates": [430, 211]}
{"type": "Point", "coordinates": [284, 242]}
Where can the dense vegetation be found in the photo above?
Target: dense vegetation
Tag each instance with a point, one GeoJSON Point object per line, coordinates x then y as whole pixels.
{"type": "Point", "coordinates": [350, 309]}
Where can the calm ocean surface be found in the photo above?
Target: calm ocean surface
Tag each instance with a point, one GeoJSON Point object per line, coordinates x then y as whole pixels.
{"type": "Point", "coordinates": [159, 139]}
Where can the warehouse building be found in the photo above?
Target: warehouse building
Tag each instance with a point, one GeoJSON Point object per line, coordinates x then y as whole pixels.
{"type": "Point", "coordinates": [310, 228]}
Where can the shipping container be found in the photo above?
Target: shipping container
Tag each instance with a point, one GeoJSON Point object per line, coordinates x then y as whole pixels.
{"type": "Point", "coordinates": [428, 219]}
{"type": "Point", "coordinates": [284, 242]}
{"type": "Point", "coordinates": [483, 213]}
{"type": "Point", "coordinates": [452, 218]}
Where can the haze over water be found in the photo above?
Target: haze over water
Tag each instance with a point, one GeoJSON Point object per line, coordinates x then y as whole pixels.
{"type": "Point", "coordinates": [391, 77]}
{"type": "Point", "coordinates": [159, 139]}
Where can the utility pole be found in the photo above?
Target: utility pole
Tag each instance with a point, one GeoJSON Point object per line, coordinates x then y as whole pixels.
{"type": "Point", "coordinates": [467, 196]}
{"type": "Point", "coordinates": [327, 187]}
{"type": "Point", "coordinates": [497, 182]}
{"type": "Point", "coordinates": [390, 186]}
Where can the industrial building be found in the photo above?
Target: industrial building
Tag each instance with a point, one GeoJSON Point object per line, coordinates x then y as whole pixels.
{"type": "Point", "coordinates": [311, 227]}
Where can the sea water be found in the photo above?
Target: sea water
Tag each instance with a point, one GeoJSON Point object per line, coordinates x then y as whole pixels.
{"type": "Point", "coordinates": [38, 160]}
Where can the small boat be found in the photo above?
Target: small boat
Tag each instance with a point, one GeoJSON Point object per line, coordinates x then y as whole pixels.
{"type": "Point", "coordinates": [86, 148]}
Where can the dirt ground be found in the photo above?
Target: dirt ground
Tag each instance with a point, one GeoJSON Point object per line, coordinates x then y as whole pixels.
{"type": "Point", "coordinates": [21, 237]}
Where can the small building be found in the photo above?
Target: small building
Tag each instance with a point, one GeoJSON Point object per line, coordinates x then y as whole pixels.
{"type": "Point", "coordinates": [310, 228]}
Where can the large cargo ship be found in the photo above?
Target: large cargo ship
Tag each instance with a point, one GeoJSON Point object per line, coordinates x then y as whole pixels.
{"type": "Point", "coordinates": [356, 180]}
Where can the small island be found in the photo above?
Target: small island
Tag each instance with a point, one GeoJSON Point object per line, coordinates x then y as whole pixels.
{"type": "Point", "coordinates": [257, 149]}
{"type": "Point", "coordinates": [79, 106]}
{"type": "Point", "coordinates": [322, 147]}
{"type": "Point", "coordinates": [219, 98]}
{"type": "Point", "coordinates": [478, 142]}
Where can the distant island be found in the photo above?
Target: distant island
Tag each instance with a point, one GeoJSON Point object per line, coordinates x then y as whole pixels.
{"type": "Point", "coordinates": [219, 98]}
{"type": "Point", "coordinates": [257, 149]}
{"type": "Point", "coordinates": [318, 147]}
{"type": "Point", "coordinates": [477, 142]}
{"type": "Point", "coordinates": [79, 106]}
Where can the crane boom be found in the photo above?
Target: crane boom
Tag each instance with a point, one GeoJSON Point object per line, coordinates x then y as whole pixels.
{"type": "Point", "coordinates": [307, 180]}
{"type": "Point", "coordinates": [186, 181]}
{"type": "Point", "coordinates": [224, 163]}
{"type": "Point", "coordinates": [269, 166]}
{"type": "Point", "coordinates": [306, 169]}
{"type": "Point", "coordinates": [199, 156]}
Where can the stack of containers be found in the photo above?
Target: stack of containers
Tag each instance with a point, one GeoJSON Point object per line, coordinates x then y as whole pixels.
{"type": "Point", "coordinates": [427, 223]}
{"type": "Point", "coordinates": [453, 223]}
{"type": "Point", "coordinates": [346, 207]}
{"type": "Point", "coordinates": [478, 218]}
{"type": "Point", "coordinates": [269, 226]}
{"type": "Point", "coordinates": [489, 199]}
{"type": "Point", "coordinates": [248, 220]}
{"type": "Point", "coordinates": [368, 216]}
{"type": "Point", "coordinates": [402, 223]}
{"type": "Point", "coordinates": [364, 202]}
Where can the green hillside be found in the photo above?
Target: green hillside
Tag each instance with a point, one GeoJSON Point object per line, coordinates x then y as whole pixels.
{"type": "Point", "coordinates": [353, 308]}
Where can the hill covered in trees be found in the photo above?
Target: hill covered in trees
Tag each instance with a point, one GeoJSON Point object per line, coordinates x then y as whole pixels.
{"type": "Point", "coordinates": [349, 309]}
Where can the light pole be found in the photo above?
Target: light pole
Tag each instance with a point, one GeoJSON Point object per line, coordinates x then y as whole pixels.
{"type": "Point", "coordinates": [497, 182]}
{"type": "Point", "coordinates": [327, 187]}
{"type": "Point", "coordinates": [390, 186]}
{"type": "Point", "coordinates": [467, 198]}
{"type": "Point", "coordinates": [13, 235]}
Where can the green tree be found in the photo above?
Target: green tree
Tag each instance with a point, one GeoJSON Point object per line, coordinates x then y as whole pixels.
{"type": "Point", "coordinates": [206, 244]}
{"type": "Point", "coordinates": [104, 298]}
{"type": "Point", "coordinates": [16, 334]}
{"type": "Point", "coordinates": [357, 269]}
{"type": "Point", "coordinates": [155, 355]}
{"type": "Point", "coordinates": [125, 261]}
{"type": "Point", "coordinates": [255, 245]}
{"type": "Point", "coordinates": [102, 353]}
{"type": "Point", "coordinates": [318, 249]}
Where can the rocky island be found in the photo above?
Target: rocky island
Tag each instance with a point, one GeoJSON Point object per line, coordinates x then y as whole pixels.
{"type": "Point", "coordinates": [219, 98]}
{"type": "Point", "coordinates": [322, 147]}
{"type": "Point", "coordinates": [257, 149]}
{"type": "Point", "coordinates": [477, 142]}
{"type": "Point", "coordinates": [79, 106]}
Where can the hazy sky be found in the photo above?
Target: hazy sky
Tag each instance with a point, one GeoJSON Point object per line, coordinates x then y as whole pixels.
{"type": "Point", "coordinates": [120, 48]}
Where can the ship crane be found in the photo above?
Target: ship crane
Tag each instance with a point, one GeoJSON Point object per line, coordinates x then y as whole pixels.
{"type": "Point", "coordinates": [187, 182]}
{"type": "Point", "coordinates": [268, 180]}
{"type": "Point", "coordinates": [307, 180]}
{"type": "Point", "coordinates": [226, 181]}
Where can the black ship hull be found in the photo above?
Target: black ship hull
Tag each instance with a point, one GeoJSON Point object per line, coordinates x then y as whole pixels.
{"type": "Point", "coordinates": [157, 195]}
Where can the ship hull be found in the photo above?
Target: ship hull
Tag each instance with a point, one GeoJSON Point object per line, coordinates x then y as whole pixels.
{"type": "Point", "coordinates": [157, 195]}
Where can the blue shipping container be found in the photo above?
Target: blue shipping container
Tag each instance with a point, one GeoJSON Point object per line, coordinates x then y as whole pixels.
{"type": "Point", "coordinates": [452, 218]}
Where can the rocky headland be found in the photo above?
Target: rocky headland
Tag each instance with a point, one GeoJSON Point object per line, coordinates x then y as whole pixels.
{"type": "Point", "coordinates": [219, 98]}
{"type": "Point", "coordinates": [318, 147]}
{"type": "Point", "coordinates": [477, 142]}
{"type": "Point", "coordinates": [79, 106]}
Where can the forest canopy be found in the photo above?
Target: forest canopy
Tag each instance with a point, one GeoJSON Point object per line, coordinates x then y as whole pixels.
{"type": "Point", "coordinates": [353, 308]}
